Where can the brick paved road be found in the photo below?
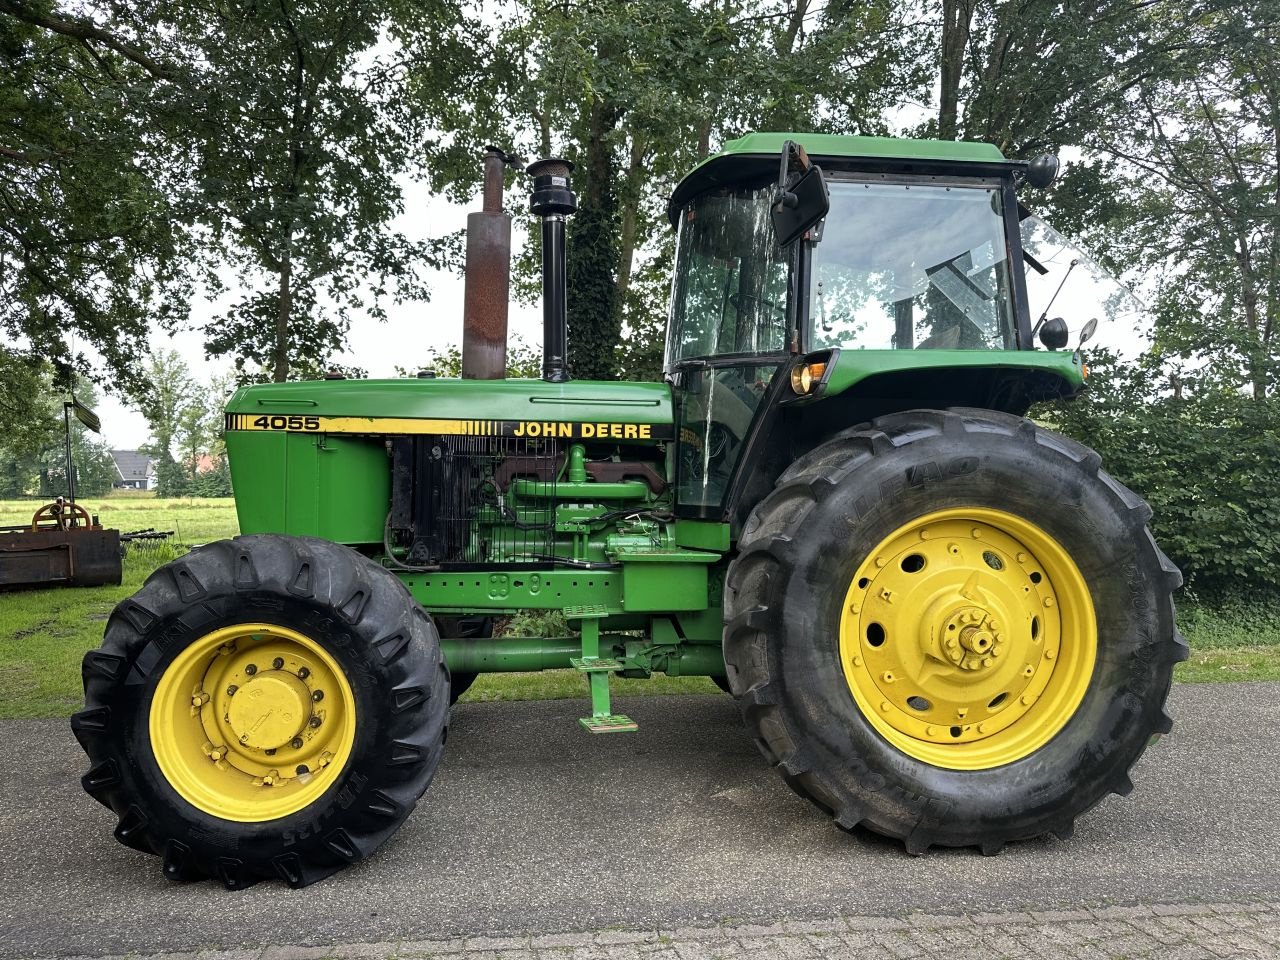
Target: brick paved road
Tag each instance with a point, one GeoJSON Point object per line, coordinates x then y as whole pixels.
{"type": "Point", "coordinates": [1169, 932]}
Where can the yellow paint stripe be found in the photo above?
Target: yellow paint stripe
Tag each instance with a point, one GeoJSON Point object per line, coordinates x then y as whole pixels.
{"type": "Point", "coordinates": [293, 423]}
{"type": "Point", "coordinates": [370, 425]}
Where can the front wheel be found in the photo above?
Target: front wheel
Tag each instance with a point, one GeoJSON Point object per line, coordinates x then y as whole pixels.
{"type": "Point", "coordinates": [952, 628]}
{"type": "Point", "coordinates": [268, 706]}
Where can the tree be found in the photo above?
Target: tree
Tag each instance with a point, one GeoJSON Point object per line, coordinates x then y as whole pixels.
{"type": "Point", "coordinates": [302, 133]}
{"type": "Point", "coordinates": [1030, 75]}
{"type": "Point", "coordinates": [91, 249]}
{"type": "Point", "coordinates": [173, 398]}
{"type": "Point", "coordinates": [33, 462]}
{"type": "Point", "coordinates": [1204, 198]}
{"type": "Point", "coordinates": [159, 142]}
{"type": "Point", "coordinates": [523, 361]}
{"type": "Point", "coordinates": [636, 94]}
{"type": "Point", "coordinates": [27, 420]}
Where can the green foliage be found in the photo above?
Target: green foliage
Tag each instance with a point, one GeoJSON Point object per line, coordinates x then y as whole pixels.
{"type": "Point", "coordinates": [92, 249]}
{"type": "Point", "coordinates": [594, 312]}
{"type": "Point", "coordinates": [1204, 457]}
{"type": "Point", "coordinates": [535, 623]}
{"type": "Point", "coordinates": [28, 418]}
{"type": "Point", "coordinates": [33, 457]}
{"type": "Point", "coordinates": [148, 148]}
{"type": "Point", "coordinates": [523, 361]}
{"type": "Point", "coordinates": [185, 415]}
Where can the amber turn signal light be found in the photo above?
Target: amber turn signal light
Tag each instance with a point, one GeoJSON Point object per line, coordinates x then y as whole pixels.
{"type": "Point", "coordinates": [804, 376]}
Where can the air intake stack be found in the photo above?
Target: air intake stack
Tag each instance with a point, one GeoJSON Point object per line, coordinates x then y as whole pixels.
{"type": "Point", "coordinates": [488, 279]}
{"type": "Point", "coordinates": [553, 201]}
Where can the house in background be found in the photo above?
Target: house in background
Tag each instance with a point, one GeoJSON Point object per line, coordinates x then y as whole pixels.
{"type": "Point", "coordinates": [135, 470]}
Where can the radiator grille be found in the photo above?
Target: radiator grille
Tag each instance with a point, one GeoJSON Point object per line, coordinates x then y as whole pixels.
{"type": "Point", "coordinates": [464, 508]}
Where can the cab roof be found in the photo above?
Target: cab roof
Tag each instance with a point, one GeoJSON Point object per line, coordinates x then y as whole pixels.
{"type": "Point", "coordinates": [757, 155]}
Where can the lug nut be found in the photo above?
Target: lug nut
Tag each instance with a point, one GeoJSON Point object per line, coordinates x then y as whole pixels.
{"type": "Point", "coordinates": [296, 743]}
{"type": "Point", "coordinates": [303, 673]}
{"type": "Point", "coordinates": [231, 690]}
{"type": "Point", "coordinates": [250, 669]}
{"type": "Point", "coordinates": [317, 695]}
{"type": "Point", "coordinates": [277, 663]}
{"type": "Point", "coordinates": [303, 768]}
{"type": "Point", "coordinates": [270, 751]}
{"type": "Point", "coordinates": [314, 722]}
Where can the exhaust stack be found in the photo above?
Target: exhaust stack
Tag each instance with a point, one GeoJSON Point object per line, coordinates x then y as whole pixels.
{"type": "Point", "coordinates": [553, 201]}
{"type": "Point", "coordinates": [488, 279]}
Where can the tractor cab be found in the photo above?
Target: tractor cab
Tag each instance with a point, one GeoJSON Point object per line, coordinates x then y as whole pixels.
{"type": "Point", "coordinates": [919, 250]}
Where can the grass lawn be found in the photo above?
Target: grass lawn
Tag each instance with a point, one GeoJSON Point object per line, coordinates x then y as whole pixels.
{"type": "Point", "coordinates": [45, 633]}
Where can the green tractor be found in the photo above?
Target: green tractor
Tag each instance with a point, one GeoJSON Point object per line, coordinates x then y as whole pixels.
{"type": "Point", "coordinates": [940, 621]}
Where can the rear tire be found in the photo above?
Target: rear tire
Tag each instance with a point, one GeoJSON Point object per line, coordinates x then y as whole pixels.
{"type": "Point", "coordinates": [857, 532]}
{"type": "Point", "coordinates": [310, 635]}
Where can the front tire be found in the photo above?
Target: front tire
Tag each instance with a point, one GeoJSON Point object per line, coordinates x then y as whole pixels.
{"type": "Point", "coordinates": [267, 706]}
{"type": "Point", "coordinates": [952, 628]}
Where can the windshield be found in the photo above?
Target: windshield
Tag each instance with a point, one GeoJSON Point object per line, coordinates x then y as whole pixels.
{"type": "Point", "coordinates": [912, 266]}
{"type": "Point", "coordinates": [1076, 288]}
{"type": "Point", "coordinates": [730, 293]}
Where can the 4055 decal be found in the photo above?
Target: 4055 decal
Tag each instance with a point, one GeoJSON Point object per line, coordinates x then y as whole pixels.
{"type": "Point", "coordinates": [281, 422]}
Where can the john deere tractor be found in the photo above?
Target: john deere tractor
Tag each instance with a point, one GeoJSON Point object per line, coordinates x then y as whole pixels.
{"type": "Point", "coordinates": [940, 620]}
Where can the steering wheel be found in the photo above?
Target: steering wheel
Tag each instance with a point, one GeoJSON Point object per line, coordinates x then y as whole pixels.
{"type": "Point", "coordinates": [739, 300]}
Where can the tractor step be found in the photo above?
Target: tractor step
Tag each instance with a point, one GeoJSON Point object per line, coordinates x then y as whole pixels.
{"type": "Point", "coordinates": [613, 723]}
{"type": "Point", "coordinates": [597, 670]}
{"type": "Point", "coordinates": [586, 611]}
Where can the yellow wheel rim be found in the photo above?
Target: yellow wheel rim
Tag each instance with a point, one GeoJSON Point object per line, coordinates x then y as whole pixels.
{"type": "Point", "coordinates": [968, 638]}
{"type": "Point", "coordinates": [252, 722]}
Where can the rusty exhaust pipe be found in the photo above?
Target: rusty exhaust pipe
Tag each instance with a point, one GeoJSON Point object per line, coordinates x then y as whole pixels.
{"type": "Point", "coordinates": [487, 283]}
{"type": "Point", "coordinates": [553, 201]}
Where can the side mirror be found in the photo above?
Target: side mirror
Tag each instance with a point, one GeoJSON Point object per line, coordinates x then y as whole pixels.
{"type": "Point", "coordinates": [1054, 333]}
{"type": "Point", "coordinates": [1086, 334]}
{"type": "Point", "coordinates": [1042, 171]}
{"type": "Point", "coordinates": [1089, 330]}
{"type": "Point", "coordinates": [801, 199]}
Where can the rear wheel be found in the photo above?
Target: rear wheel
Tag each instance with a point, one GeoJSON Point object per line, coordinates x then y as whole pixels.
{"type": "Point", "coordinates": [264, 707]}
{"type": "Point", "coordinates": [952, 628]}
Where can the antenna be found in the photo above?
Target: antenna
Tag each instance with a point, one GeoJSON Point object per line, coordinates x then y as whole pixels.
{"type": "Point", "coordinates": [1049, 305]}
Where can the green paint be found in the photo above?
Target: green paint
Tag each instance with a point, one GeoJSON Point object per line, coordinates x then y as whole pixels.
{"type": "Point", "coordinates": [511, 654]}
{"type": "Point", "coordinates": [664, 585]}
{"type": "Point", "coordinates": [854, 366]}
{"type": "Point", "coordinates": [591, 490]}
{"type": "Point", "coordinates": [303, 484]}
{"type": "Point", "coordinates": [819, 145]}
{"type": "Point", "coordinates": [578, 401]}
{"type": "Point", "coordinates": [700, 535]}
{"type": "Point", "coordinates": [511, 591]}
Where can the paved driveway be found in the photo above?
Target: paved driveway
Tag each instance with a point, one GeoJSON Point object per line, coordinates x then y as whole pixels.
{"type": "Point", "coordinates": [534, 827]}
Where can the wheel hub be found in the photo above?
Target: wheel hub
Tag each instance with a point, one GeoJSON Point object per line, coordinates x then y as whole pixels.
{"type": "Point", "coordinates": [270, 710]}
{"type": "Point", "coordinates": [252, 722]}
{"type": "Point", "coordinates": [968, 637]}
{"type": "Point", "coordinates": [971, 639]}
